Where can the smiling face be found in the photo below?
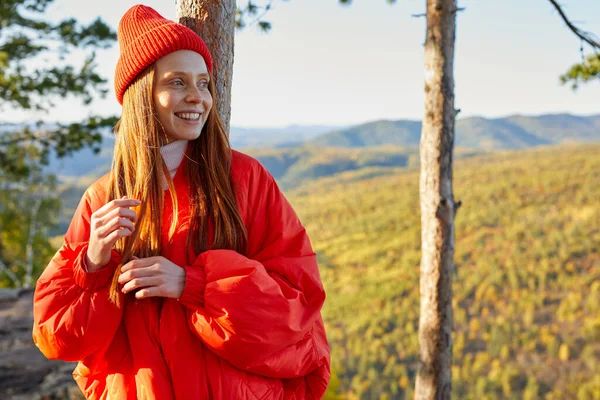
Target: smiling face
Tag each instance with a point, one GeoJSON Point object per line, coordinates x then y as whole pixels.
{"type": "Point", "coordinates": [180, 92]}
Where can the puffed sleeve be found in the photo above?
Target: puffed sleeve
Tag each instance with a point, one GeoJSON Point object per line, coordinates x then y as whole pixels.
{"type": "Point", "coordinates": [73, 316]}
{"type": "Point", "coordinates": [262, 313]}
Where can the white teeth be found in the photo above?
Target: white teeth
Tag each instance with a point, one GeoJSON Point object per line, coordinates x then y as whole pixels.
{"type": "Point", "coordinates": [190, 116]}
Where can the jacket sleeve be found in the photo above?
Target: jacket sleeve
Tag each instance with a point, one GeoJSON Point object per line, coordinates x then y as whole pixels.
{"type": "Point", "coordinates": [262, 312]}
{"type": "Point", "coordinates": [73, 316]}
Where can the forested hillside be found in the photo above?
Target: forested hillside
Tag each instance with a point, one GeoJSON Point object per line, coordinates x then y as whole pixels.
{"type": "Point", "coordinates": [526, 288]}
{"type": "Point", "coordinates": [527, 282]}
{"type": "Point", "coordinates": [293, 166]}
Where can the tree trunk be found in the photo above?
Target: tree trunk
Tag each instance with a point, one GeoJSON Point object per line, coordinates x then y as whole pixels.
{"type": "Point", "coordinates": [437, 205]}
{"type": "Point", "coordinates": [10, 274]}
{"type": "Point", "coordinates": [29, 248]}
{"type": "Point", "coordinates": [214, 22]}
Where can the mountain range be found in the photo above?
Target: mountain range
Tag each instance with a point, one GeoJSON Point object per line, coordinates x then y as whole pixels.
{"type": "Point", "coordinates": [296, 153]}
{"type": "Point", "coordinates": [510, 133]}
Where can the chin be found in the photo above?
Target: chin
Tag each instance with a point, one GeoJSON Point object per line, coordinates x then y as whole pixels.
{"type": "Point", "coordinates": [183, 135]}
{"type": "Point", "coordinates": [194, 136]}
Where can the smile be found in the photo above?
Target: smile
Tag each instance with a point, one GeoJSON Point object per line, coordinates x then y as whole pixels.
{"type": "Point", "coordinates": [189, 116]}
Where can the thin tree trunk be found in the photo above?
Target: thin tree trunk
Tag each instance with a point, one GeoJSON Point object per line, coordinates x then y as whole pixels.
{"type": "Point", "coordinates": [437, 205]}
{"type": "Point", "coordinates": [29, 249]}
{"type": "Point", "coordinates": [11, 275]}
{"type": "Point", "coordinates": [214, 22]}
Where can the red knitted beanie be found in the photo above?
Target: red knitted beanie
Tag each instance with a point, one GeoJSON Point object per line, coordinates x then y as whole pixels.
{"type": "Point", "coordinates": [144, 37]}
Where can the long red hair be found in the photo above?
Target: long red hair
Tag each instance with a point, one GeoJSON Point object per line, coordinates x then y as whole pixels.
{"type": "Point", "coordinates": [138, 169]}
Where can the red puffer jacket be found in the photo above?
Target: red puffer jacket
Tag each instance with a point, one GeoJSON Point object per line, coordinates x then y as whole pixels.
{"type": "Point", "coordinates": [246, 327]}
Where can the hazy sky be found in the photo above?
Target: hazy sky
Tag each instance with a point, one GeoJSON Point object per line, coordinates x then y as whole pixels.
{"type": "Point", "coordinates": [323, 63]}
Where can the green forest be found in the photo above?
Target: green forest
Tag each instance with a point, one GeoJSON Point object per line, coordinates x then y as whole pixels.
{"type": "Point", "coordinates": [526, 283]}
{"type": "Point", "coordinates": [526, 287]}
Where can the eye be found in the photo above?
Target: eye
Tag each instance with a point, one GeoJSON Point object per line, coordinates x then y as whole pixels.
{"type": "Point", "coordinates": [177, 82]}
{"type": "Point", "coordinates": [203, 83]}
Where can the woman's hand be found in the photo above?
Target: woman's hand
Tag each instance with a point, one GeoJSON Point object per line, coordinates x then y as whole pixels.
{"type": "Point", "coordinates": [109, 223]}
{"type": "Point", "coordinates": [154, 277]}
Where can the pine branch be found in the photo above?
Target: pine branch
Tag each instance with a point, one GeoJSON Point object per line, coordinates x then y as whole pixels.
{"type": "Point", "coordinates": [252, 10]}
{"type": "Point", "coordinates": [587, 37]}
{"type": "Point", "coordinates": [265, 10]}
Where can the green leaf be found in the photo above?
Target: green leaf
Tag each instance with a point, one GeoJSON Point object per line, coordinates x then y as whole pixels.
{"type": "Point", "coordinates": [582, 73]}
{"type": "Point", "coordinates": [264, 26]}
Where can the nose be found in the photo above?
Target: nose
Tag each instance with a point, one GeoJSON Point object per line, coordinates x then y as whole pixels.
{"type": "Point", "coordinates": [195, 95]}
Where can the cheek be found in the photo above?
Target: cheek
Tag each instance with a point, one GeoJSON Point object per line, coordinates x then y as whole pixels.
{"type": "Point", "coordinates": [208, 102]}
{"type": "Point", "coordinates": [162, 101]}
{"type": "Point", "coordinates": [162, 107]}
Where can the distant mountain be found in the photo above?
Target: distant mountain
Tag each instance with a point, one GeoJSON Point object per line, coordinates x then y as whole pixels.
{"type": "Point", "coordinates": [510, 133]}
{"type": "Point", "coordinates": [275, 137]}
{"type": "Point", "coordinates": [401, 133]}
{"type": "Point", "coordinates": [561, 128]}
{"type": "Point", "coordinates": [86, 162]}
{"type": "Point", "coordinates": [296, 152]}
{"type": "Point", "coordinates": [292, 166]}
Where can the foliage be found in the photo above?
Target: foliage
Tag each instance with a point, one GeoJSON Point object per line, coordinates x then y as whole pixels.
{"type": "Point", "coordinates": [28, 208]}
{"type": "Point", "coordinates": [25, 39]}
{"type": "Point", "coordinates": [253, 12]}
{"type": "Point", "coordinates": [28, 201]}
{"type": "Point", "coordinates": [583, 72]}
{"type": "Point", "coordinates": [527, 284]}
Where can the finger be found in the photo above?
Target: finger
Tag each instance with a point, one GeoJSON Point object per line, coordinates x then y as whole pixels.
{"type": "Point", "coordinates": [114, 224]}
{"type": "Point", "coordinates": [115, 203]}
{"type": "Point", "coordinates": [152, 291]}
{"type": "Point", "coordinates": [137, 263]}
{"type": "Point", "coordinates": [130, 274]}
{"type": "Point", "coordinates": [119, 212]}
{"type": "Point", "coordinates": [139, 283]}
{"type": "Point", "coordinates": [124, 202]}
{"type": "Point", "coordinates": [112, 238]}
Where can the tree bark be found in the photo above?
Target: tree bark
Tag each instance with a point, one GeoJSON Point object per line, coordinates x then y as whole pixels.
{"type": "Point", "coordinates": [437, 205]}
{"type": "Point", "coordinates": [29, 248]}
{"type": "Point", "coordinates": [214, 22]}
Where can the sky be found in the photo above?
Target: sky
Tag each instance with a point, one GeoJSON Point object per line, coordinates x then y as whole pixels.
{"type": "Point", "coordinates": [327, 64]}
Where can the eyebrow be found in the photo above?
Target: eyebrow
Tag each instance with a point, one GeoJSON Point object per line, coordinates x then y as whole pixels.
{"type": "Point", "coordinates": [169, 74]}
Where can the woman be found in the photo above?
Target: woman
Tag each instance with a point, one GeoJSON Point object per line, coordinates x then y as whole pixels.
{"type": "Point", "coordinates": [185, 273]}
